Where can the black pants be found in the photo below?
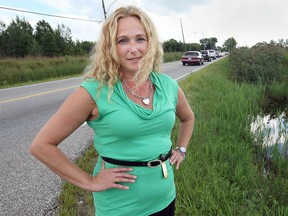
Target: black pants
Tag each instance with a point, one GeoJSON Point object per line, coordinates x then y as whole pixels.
{"type": "Point", "coordinates": [168, 211]}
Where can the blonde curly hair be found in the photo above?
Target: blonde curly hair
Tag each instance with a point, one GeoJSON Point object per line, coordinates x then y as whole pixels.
{"type": "Point", "coordinates": [104, 62]}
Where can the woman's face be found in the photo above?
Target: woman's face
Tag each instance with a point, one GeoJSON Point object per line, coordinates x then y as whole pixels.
{"type": "Point", "coordinates": [131, 43]}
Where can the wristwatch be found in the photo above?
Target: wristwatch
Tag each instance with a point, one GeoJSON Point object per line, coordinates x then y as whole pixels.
{"type": "Point", "coordinates": [182, 150]}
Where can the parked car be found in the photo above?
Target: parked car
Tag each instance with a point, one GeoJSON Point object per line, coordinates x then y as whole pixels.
{"type": "Point", "coordinates": [218, 54]}
{"type": "Point", "coordinates": [192, 57]}
{"type": "Point", "coordinates": [205, 55]}
{"type": "Point", "coordinates": [212, 53]}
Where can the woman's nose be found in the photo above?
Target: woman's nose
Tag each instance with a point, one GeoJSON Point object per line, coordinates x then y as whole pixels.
{"type": "Point", "coordinates": [133, 46]}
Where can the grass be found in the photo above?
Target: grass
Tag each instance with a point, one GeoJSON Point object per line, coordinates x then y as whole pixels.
{"type": "Point", "coordinates": [29, 70]}
{"type": "Point", "coordinates": [15, 72]}
{"type": "Point", "coordinates": [219, 154]}
{"type": "Point", "coordinates": [221, 174]}
{"type": "Point", "coordinates": [172, 56]}
{"type": "Point", "coordinates": [74, 201]}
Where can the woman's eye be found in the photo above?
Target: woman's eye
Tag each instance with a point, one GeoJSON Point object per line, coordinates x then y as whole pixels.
{"type": "Point", "coordinates": [123, 41]}
{"type": "Point", "coordinates": [141, 39]}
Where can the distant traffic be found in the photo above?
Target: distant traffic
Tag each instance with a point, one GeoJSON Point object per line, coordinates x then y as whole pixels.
{"type": "Point", "coordinates": [198, 57]}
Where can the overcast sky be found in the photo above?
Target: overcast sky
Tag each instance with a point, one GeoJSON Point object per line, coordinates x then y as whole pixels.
{"type": "Point", "coordinates": [247, 21]}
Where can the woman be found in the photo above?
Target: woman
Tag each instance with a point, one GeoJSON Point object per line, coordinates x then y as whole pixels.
{"type": "Point", "coordinates": [131, 108]}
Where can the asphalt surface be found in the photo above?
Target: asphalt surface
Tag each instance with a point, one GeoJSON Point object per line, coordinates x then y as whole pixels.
{"type": "Point", "coordinates": [27, 187]}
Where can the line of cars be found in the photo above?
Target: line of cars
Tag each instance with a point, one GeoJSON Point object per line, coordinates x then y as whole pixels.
{"type": "Point", "coordinates": [198, 57]}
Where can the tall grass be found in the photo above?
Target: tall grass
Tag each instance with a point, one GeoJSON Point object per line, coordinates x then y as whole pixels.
{"type": "Point", "coordinates": [219, 164]}
{"type": "Point", "coordinates": [221, 174]}
{"type": "Point", "coordinates": [172, 56]}
{"type": "Point", "coordinates": [264, 64]}
{"type": "Point", "coordinates": [29, 70]}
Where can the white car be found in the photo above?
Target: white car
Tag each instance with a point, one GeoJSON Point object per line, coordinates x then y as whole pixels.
{"type": "Point", "coordinates": [212, 53]}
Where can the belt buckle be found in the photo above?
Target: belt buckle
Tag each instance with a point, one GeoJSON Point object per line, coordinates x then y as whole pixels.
{"type": "Point", "coordinates": [157, 161]}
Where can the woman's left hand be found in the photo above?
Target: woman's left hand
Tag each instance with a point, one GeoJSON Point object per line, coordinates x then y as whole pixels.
{"type": "Point", "coordinates": [177, 158]}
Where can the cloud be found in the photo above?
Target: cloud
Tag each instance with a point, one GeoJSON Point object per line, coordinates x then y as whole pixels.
{"type": "Point", "coordinates": [249, 22]}
{"type": "Point", "coordinates": [172, 6]}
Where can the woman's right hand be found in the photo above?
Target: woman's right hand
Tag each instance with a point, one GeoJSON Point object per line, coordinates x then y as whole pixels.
{"type": "Point", "coordinates": [111, 178]}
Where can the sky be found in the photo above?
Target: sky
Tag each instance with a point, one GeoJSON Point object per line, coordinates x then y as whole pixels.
{"type": "Point", "coordinates": [247, 21]}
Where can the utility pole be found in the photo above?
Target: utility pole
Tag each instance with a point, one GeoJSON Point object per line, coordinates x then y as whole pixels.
{"type": "Point", "coordinates": [204, 42]}
{"type": "Point", "coordinates": [183, 35]}
{"type": "Point", "coordinates": [104, 10]}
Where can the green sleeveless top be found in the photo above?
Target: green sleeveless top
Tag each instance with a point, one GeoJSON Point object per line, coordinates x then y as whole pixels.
{"type": "Point", "coordinates": [127, 131]}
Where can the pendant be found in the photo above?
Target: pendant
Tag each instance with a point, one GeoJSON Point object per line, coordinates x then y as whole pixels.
{"type": "Point", "coordinates": [146, 101]}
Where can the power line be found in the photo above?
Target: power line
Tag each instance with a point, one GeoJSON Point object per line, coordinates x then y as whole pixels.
{"type": "Point", "coordinates": [51, 15]}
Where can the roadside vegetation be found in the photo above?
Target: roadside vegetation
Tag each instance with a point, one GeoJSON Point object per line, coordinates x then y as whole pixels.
{"type": "Point", "coordinates": [225, 171]}
{"type": "Point", "coordinates": [264, 64]}
{"type": "Point", "coordinates": [30, 70]}
{"type": "Point", "coordinates": [225, 174]}
{"type": "Point", "coordinates": [22, 71]}
{"type": "Point", "coordinates": [20, 39]}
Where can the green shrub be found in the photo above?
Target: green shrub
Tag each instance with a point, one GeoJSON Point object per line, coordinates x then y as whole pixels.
{"type": "Point", "coordinates": [265, 63]}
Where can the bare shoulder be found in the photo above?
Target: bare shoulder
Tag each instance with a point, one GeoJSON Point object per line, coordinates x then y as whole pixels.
{"type": "Point", "coordinates": [82, 101]}
{"type": "Point", "coordinates": [76, 109]}
{"type": "Point", "coordinates": [91, 104]}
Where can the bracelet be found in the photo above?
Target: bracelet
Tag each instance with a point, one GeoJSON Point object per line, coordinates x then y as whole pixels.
{"type": "Point", "coordinates": [182, 153]}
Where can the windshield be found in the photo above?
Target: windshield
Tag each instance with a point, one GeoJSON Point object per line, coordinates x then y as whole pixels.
{"type": "Point", "coordinates": [191, 54]}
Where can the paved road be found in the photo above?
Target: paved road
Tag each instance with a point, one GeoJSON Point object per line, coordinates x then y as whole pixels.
{"type": "Point", "coordinates": [26, 186]}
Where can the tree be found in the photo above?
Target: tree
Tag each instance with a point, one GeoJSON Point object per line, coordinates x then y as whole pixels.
{"type": "Point", "coordinates": [42, 28]}
{"type": "Point", "coordinates": [283, 43]}
{"type": "Point", "coordinates": [212, 42]}
{"type": "Point", "coordinates": [176, 46]}
{"type": "Point", "coordinates": [230, 44]}
{"type": "Point", "coordinates": [49, 46]}
{"type": "Point", "coordinates": [170, 45]}
{"type": "Point", "coordinates": [193, 46]}
{"type": "Point", "coordinates": [20, 37]}
{"type": "Point", "coordinates": [208, 43]}
{"type": "Point", "coordinates": [87, 46]}
{"type": "Point", "coordinates": [3, 38]}
{"type": "Point", "coordinates": [63, 39]}
{"type": "Point", "coordinates": [83, 47]}
{"type": "Point", "coordinates": [35, 49]}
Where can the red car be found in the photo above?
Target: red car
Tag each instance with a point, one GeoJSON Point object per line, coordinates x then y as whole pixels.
{"type": "Point", "coordinates": [192, 57]}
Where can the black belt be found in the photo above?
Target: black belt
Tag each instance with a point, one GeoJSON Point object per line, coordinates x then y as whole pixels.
{"type": "Point", "coordinates": [152, 163]}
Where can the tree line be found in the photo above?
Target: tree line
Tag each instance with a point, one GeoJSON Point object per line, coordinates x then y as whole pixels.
{"type": "Point", "coordinates": [20, 39]}
{"type": "Point", "coordinates": [204, 44]}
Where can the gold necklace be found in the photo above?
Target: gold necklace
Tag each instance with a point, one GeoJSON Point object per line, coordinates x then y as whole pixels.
{"type": "Point", "coordinates": [145, 100]}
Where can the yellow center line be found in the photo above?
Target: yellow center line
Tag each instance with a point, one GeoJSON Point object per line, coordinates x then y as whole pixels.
{"type": "Point", "coordinates": [39, 94]}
